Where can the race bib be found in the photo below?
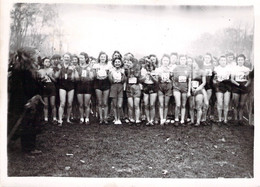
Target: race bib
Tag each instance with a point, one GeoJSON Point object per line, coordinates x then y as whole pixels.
{"type": "Point", "coordinates": [47, 78]}
{"type": "Point", "coordinates": [117, 76]}
{"type": "Point", "coordinates": [241, 78]}
{"type": "Point", "coordinates": [208, 72]}
{"type": "Point", "coordinates": [222, 77]}
{"type": "Point", "coordinates": [182, 78]}
{"type": "Point", "coordinates": [102, 73]}
{"type": "Point", "coordinates": [84, 73]}
{"type": "Point", "coordinates": [66, 76]}
{"type": "Point", "coordinates": [165, 77]}
{"type": "Point", "coordinates": [132, 80]}
{"type": "Point", "coordinates": [195, 84]}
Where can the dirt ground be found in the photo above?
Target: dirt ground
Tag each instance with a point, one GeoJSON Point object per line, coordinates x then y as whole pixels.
{"type": "Point", "coordinates": [130, 151]}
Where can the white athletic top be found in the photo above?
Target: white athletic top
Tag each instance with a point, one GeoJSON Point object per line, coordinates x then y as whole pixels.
{"type": "Point", "coordinates": [148, 79]}
{"type": "Point", "coordinates": [117, 74]}
{"type": "Point", "coordinates": [241, 73]}
{"type": "Point", "coordinates": [164, 73]}
{"type": "Point", "coordinates": [102, 70]}
{"type": "Point", "coordinates": [222, 73]}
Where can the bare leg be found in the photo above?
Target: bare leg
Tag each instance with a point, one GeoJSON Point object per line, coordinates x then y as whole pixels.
{"type": "Point", "coordinates": [80, 101]}
{"type": "Point", "coordinates": [235, 98]}
{"type": "Point", "coordinates": [183, 106]}
{"type": "Point", "coordinates": [87, 98]}
{"type": "Point", "coordinates": [45, 108]}
{"type": "Point", "coordinates": [62, 94]}
{"type": "Point", "coordinates": [146, 106]}
{"type": "Point", "coordinates": [226, 105]}
{"type": "Point", "coordinates": [99, 99]}
{"type": "Point", "coordinates": [53, 108]}
{"type": "Point", "coordinates": [153, 97]}
{"type": "Point", "coordinates": [243, 98]}
{"type": "Point", "coordinates": [177, 97]}
{"type": "Point", "coordinates": [199, 103]}
{"type": "Point", "coordinates": [191, 102]}
{"type": "Point", "coordinates": [130, 104]}
{"type": "Point", "coordinates": [137, 108]}
{"type": "Point", "coordinates": [219, 105]}
{"type": "Point", "coordinates": [105, 103]}
{"type": "Point", "coordinates": [69, 106]}
{"type": "Point", "coordinates": [166, 103]}
{"type": "Point", "coordinates": [161, 106]}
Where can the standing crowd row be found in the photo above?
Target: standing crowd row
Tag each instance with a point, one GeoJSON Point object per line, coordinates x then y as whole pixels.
{"type": "Point", "coordinates": [138, 88]}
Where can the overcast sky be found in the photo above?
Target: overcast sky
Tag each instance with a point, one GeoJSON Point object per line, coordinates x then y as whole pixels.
{"type": "Point", "coordinates": [143, 30]}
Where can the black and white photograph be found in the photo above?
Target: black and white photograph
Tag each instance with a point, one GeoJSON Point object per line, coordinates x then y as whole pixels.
{"type": "Point", "coordinates": [120, 91]}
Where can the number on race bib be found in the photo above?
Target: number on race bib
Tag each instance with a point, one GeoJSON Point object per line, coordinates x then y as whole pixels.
{"type": "Point", "coordinates": [84, 73]}
{"type": "Point", "coordinates": [222, 77]}
{"type": "Point", "coordinates": [241, 78]}
{"type": "Point", "coordinates": [182, 78]}
{"type": "Point", "coordinates": [132, 80]}
{"type": "Point", "coordinates": [165, 76]}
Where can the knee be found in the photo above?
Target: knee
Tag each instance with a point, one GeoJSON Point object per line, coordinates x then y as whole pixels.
{"type": "Point", "coordinates": [183, 105]}
{"type": "Point", "coordinates": [52, 106]}
{"type": "Point", "coordinates": [104, 105]}
{"type": "Point", "coordinates": [46, 106]}
{"type": "Point", "coordinates": [198, 107]}
{"type": "Point", "coordinates": [80, 105]}
{"type": "Point", "coordinates": [136, 106]}
{"type": "Point", "coordinates": [69, 105]}
{"type": "Point", "coordinates": [62, 104]}
{"type": "Point", "coordinates": [220, 106]}
{"type": "Point", "coordinates": [226, 106]}
{"type": "Point", "coordinates": [161, 105]}
{"type": "Point", "coordinates": [146, 107]}
{"type": "Point", "coordinates": [152, 106]}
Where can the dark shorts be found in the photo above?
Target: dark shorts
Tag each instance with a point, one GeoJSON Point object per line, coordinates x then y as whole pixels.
{"type": "Point", "coordinates": [49, 89]}
{"type": "Point", "coordinates": [67, 85]}
{"type": "Point", "coordinates": [116, 90]}
{"type": "Point", "coordinates": [86, 87]}
{"type": "Point", "coordinates": [208, 85]}
{"type": "Point", "coordinates": [197, 93]}
{"type": "Point", "coordinates": [150, 88]}
{"type": "Point", "coordinates": [222, 87]}
{"type": "Point", "coordinates": [102, 85]}
{"type": "Point", "coordinates": [133, 90]}
{"type": "Point", "coordinates": [241, 89]}
{"type": "Point", "coordinates": [165, 89]}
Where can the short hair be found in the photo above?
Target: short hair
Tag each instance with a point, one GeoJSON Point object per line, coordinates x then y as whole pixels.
{"type": "Point", "coordinates": [68, 54]}
{"type": "Point", "coordinates": [241, 56]}
{"type": "Point", "coordinates": [174, 53]}
{"type": "Point", "coordinates": [117, 58]}
{"type": "Point", "coordinates": [230, 54]}
{"type": "Point", "coordinates": [165, 56]}
{"type": "Point", "coordinates": [182, 56]}
{"type": "Point", "coordinates": [222, 56]}
{"type": "Point", "coordinates": [86, 56]}
{"type": "Point", "coordinates": [56, 56]}
{"type": "Point", "coordinates": [102, 53]}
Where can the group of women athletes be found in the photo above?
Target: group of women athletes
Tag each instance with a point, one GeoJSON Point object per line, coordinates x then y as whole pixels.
{"type": "Point", "coordinates": [142, 87]}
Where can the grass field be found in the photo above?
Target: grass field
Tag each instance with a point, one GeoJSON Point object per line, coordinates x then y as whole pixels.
{"type": "Point", "coordinates": [130, 151]}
